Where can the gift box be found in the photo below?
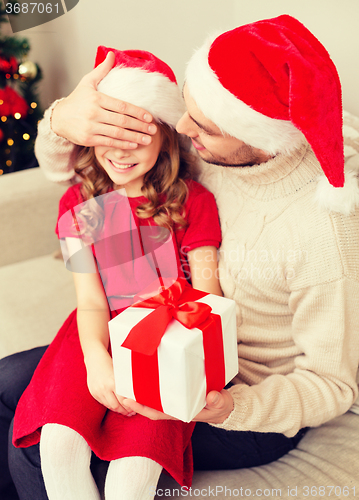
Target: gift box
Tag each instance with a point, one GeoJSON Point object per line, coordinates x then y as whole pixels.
{"type": "Point", "coordinates": [170, 350]}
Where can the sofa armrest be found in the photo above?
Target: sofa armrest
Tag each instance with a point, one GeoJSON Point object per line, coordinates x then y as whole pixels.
{"type": "Point", "coordinates": [28, 214]}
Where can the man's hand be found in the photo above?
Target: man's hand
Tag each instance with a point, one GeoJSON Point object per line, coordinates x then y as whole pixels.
{"type": "Point", "coordinates": [90, 118]}
{"type": "Point", "coordinates": [218, 408]}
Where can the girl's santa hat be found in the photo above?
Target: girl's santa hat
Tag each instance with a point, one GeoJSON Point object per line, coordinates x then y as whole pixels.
{"type": "Point", "coordinates": [140, 78]}
{"type": "Point", "coordinates": [269, 84]}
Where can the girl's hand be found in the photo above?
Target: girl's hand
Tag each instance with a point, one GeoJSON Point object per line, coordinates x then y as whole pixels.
{"type": "Point", "coordinates": [218, 408]}
{"type": "Point", "coordinates": [90, 118]}
{"type": "Point", "coordinates": [101, 383]}
{"type": "Point", "coordinates": [146, 411]}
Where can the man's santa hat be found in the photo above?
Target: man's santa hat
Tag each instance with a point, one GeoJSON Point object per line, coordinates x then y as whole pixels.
{"type": "Point", "coordinates": [269, 84]}
{"type": "Point", "coordinates": [138, 77]}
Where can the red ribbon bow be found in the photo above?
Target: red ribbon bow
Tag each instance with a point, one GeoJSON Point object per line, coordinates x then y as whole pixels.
{"type": "Point", "coordinates": [169, 303]}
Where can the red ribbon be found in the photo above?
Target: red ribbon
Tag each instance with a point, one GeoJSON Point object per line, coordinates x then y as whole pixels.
{"type": "Point", "coordinates": [178, 302]}
{"type": "Point", "coordinates": [166, 305]}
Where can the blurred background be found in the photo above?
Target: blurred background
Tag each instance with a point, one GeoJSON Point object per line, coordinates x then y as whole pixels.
{"type": "Point", "coordinates": [65, 47]}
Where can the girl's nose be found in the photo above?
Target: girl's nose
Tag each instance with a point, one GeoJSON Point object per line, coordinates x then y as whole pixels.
{"type": "Point", "coordinates": [122, 154]}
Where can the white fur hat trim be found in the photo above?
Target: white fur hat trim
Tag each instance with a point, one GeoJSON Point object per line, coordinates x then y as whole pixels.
{"type": "Point", "coordinates": [151, 91]}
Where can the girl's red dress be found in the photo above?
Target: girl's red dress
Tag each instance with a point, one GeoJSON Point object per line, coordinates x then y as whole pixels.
{"type": "Point", "coordinates": [58, 391]}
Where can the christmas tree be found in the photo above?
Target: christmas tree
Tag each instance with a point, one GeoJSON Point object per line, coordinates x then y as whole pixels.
{"type": "Point", "coordinates": [19, 105]}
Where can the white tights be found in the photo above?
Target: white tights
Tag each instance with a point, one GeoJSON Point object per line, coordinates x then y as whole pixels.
{"type": "Point", "coordinates": [65, 464]}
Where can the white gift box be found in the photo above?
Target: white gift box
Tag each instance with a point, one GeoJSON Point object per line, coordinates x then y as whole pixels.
{"type": "Point", "coordinates": [180, 355]}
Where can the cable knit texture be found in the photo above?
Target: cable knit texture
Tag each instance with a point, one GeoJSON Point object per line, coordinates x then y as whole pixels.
{"type": "Point", "coordinates": [294, 274]}
{"type": "Point", "coordinates": [292, 269]}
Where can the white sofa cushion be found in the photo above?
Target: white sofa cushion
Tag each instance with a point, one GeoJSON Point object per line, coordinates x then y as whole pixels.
{"type": "Point", "coordinates": [36, 296]}
{"type": "Point", "coordinates": [28, 206]}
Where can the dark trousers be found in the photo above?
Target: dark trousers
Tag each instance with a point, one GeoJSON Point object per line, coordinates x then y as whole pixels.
{"type": "Point", "coordinates": [213, 448]}
{"type": "Point", "coordinates": [19, 467]}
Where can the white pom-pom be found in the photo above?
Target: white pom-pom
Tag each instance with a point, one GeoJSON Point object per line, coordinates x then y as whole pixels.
{"type": "Point", "coordinates": [333, 199]}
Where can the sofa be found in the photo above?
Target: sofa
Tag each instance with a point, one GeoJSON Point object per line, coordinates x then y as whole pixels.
{"type": "Point", "coordinates": [37, 293]}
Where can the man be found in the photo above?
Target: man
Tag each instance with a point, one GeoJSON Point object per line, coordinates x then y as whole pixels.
{"type": "Point", "coordinates": [264, 111]}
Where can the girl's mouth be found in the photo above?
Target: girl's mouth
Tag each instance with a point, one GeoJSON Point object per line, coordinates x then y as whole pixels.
{"type": "Point", "coordinates": [121, 166]}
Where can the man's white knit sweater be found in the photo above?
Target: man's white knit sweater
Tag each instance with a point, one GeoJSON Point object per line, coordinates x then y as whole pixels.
{"type": "Point", "coordinates": [293, 270]}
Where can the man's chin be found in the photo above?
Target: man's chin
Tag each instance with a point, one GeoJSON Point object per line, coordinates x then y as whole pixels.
{"type": "Point", "coordinates": [244, 157]}
{"type": "Point", "coordinates": [219, 163]}
{"type": "Point", "coordinates": [210, 159]}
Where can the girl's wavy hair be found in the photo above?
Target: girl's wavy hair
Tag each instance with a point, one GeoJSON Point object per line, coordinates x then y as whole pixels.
{"type": "Point", "coordinates": [164, 185]}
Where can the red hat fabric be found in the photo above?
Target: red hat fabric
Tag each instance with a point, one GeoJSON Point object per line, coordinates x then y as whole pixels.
{"type": "Point", "coordinates": [141, 78]}
{"type": "Point", "coordinates": [136, 59]}
{"type": "Point", "coordinates": [269, 82]}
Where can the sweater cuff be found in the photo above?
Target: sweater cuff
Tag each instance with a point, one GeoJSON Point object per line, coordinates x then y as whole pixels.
{"type": "Point", "coordinates": [55, 154]}
{"type": "Point", "coordinates": [235, 419]}
{"type": "Point", "coordinates": [47, 125]}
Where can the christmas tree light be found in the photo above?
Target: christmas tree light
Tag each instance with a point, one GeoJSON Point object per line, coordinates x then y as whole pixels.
{"type": "Point", "coordinates": [20, 110]}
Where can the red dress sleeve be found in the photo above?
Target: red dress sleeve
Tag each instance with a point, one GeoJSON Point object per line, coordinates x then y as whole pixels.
{"type": "Point", "coordinates": [203, 227]}
{"type": "Point", "coordinates": [65, 226]}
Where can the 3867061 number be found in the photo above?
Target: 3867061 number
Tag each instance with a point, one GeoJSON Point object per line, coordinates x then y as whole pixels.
{"type": "Point", "coordinates": [327, 491]}
{"type": "Point", "coordinates": [31, 8]}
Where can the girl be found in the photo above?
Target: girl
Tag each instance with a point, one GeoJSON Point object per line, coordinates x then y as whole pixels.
{"type": "Point", "coordinates": [71, 405]}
